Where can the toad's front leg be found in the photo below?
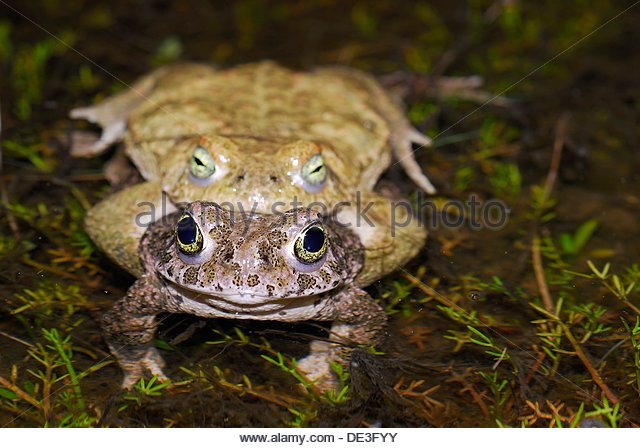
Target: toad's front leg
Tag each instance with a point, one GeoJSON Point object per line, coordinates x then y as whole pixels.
{"type": "Point", "coordinates": [129, 328]}
{"type": "Point", "coordinates": [358, 320]}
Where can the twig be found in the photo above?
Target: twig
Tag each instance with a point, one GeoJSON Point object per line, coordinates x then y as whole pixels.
{"type": "Point", "coordinates": [556, 156]}
{"type": "Point", "coordinates": [467, 387]}
{"type": "Point", "coordinates": [411, 392]}
{"type": "Point", "coordinates": [19, 392]}
{"type": "Point", "coordinates": [430, 292]}
{"type": "Point", "coordinates": [20, 414]}
{"type": "Point", "coordinates": [581, 354]}
{"type": "Point", "coordinates": [13, 338]}
{"type": "Point", "coordinates": [592, 371]}
{"type": "Point", "coordinates": [536, 365]}
{"type": "Point", "coordinates": [285, 402]}
{"type": "Point", "coordinates": [60, 273]}
{"type": "Point", "coordinates": [46, 391]}
{"type": "Point", "coordinates": [549, 183]}
{"type": "Point", "coordinates": [536, 258]}
{"type": "Point", "coordinates": [538, 270]}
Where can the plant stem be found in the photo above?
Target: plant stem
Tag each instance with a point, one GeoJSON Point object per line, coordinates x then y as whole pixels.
{"type": "Point", "coordinates": [538, 270]}
{"type": "Point", "coordinates": [19, 392]}
{"type": "Point", "coordinates": [556, 156]}
{"type": "Point", "coordinates": [59, 347]}
{"type": "Point", "coordinates": [592, 371]}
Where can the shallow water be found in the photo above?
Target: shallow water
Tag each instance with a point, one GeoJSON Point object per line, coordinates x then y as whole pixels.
{"type": "Point", "coordinates": [547, 59]}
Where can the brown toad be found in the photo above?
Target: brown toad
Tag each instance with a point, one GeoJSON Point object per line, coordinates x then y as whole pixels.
{"type": "Point", "coordinates": [212, 263]}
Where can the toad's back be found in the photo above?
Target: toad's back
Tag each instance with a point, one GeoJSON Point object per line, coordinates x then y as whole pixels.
{"type": "Point", "coordinates": [336, 107]}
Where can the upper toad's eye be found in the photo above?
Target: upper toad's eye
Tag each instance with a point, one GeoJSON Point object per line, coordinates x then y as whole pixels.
{"type": "Point", "coordinates": [314, 173]}
{"type": "Point", "coordinates": [311, 245]}
{"type": "Point", "coordinates": [188, 235]}
{"type": "Point", "coordinates": [202, 165]}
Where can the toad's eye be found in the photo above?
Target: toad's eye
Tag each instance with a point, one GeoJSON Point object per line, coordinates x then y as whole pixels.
{"type": "Point", "coordinates": [201, 166]}
{"type": "Point", "coordinates": [314, 173]}
{"type": "Point", "coordinates": [311, 245]}
{"type": "Point", "coordinates": [188, 236]}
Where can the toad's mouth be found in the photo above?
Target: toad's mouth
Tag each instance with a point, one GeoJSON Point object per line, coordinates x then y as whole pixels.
{"type": "Point", "coordinates": [245, 298]}
{"type": "Point", "coordinates": [247, 305]}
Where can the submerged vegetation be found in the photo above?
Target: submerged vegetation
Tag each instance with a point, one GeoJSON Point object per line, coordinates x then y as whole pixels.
{"type": "Point", "coordinates": [536, 324]}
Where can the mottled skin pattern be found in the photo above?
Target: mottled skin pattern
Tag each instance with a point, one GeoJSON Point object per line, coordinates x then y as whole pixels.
{"type": "Point", "coordinates": [260, 123]}
{"type": "Point", "coordinates": [246, 269]}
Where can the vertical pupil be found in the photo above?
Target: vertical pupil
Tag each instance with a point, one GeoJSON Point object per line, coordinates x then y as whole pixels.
{"type": "Point", "coordinates": [313, 239]}
{"type": "Point", "coordinates": [187, 230]}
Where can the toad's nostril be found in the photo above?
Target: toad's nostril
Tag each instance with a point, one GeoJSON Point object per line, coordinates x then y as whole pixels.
{"type": "Point", "coordinates": [273, 179]}
{"type": "Point", "coordinates": [240, 178]}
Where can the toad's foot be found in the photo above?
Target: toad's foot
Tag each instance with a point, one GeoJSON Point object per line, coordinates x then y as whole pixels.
{"type": "Point", "coordinates": [403, 134]}
{"type": "Point", "coordinates": [316, 367]}
{"type": "Point", "coordinates": [129, 328]}
{"type": "Point", "coordinates": [112, 132]}
{"type": "Point", "coordinates": [402, 141]}
{"type": "Point", "coordinates": [358, 321]}
{"type": "Point", "coordinates": [112, 113]}
{"type": "Point", "coordinates": [135, 369]}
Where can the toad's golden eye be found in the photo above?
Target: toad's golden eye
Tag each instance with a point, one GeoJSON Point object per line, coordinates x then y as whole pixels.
{"type": "Point", "coordinates": [311, 245]}
{"type": "Point", "coordinates": [314, 171]}
{"type": "Point", "coordinates": [202, 165]}
{"type": "Point", "coordinates": [188, 235]}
